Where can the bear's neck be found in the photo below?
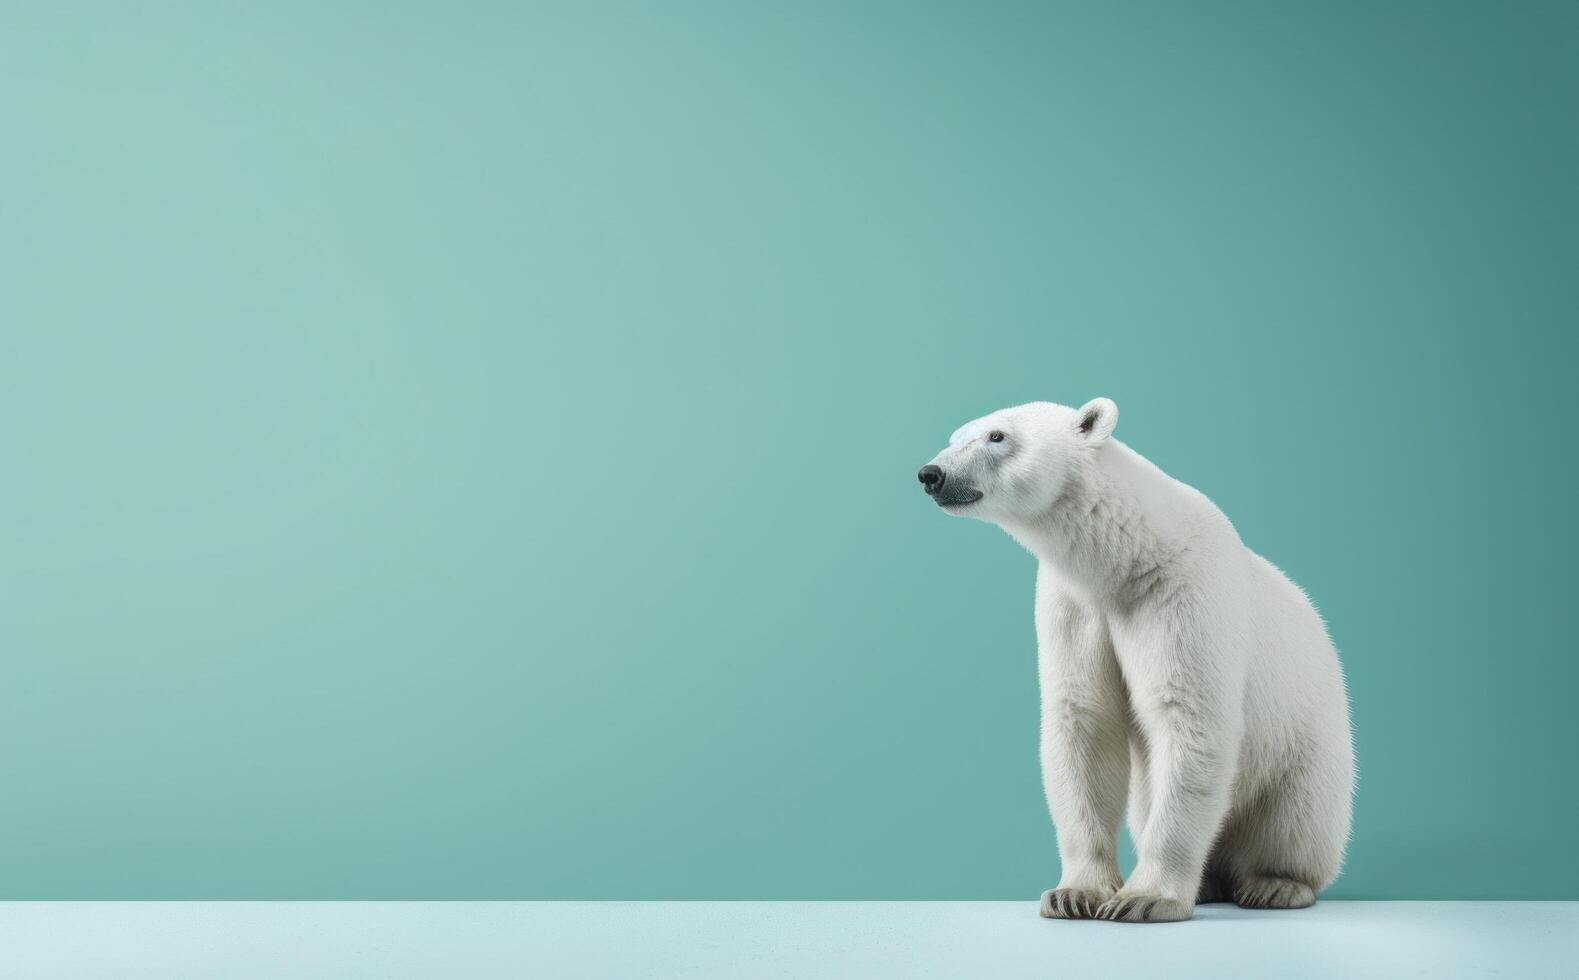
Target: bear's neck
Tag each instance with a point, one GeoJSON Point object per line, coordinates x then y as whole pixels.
{"type": "Point", "coordinates": [1115, 528]}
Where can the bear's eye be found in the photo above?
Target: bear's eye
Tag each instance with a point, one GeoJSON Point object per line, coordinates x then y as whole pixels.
{"type": "Point", "coordinates": [995, 436]}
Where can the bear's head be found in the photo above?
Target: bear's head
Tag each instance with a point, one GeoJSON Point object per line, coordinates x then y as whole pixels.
{"type": "Point", "coordinates": [1009, 467]}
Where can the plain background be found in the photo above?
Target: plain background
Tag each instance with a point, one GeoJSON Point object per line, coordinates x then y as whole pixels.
{"type": "Point", "coordinates": [467, 450]}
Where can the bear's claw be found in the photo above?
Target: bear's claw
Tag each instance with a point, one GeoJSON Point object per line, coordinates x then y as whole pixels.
{"type": "Point", "coordinates": [1144, 907]}
{"type": "Point", "coordinates": [1071, 903]}
{"type": "Point", "coordinates": [1274, 893]}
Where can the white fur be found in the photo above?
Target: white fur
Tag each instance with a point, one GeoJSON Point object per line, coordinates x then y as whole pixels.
{"type": "Point", "coordinates": [1181, 672]}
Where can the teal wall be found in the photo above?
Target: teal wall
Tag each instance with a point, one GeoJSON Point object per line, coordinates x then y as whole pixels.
{"type": "Point", "coordinates": [467, 450]}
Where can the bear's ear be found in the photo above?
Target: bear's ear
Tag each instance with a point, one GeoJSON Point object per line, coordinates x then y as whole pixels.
{"type": "Point", "coordinates": [1096, 419]}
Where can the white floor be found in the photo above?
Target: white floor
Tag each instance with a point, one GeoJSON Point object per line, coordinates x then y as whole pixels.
{"type": "Point", "coordinates": [351, 940]}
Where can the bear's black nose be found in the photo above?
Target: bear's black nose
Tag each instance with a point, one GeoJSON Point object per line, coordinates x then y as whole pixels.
{"type": "Point", "coordinates": [931, 478]}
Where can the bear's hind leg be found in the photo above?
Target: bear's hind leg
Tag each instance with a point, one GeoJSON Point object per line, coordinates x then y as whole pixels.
{"type": "Point", "coordinates": [1283, 849]}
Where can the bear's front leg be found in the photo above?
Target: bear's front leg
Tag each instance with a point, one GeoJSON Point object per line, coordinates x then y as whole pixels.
{"type": "Point", "coordinates": [1085, 749]}
{"type": "Point", "coordinates": [1186, 701]}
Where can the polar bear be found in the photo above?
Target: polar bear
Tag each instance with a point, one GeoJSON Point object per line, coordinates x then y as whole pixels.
{"type": "Point", "coordinates": [1178, 669]}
